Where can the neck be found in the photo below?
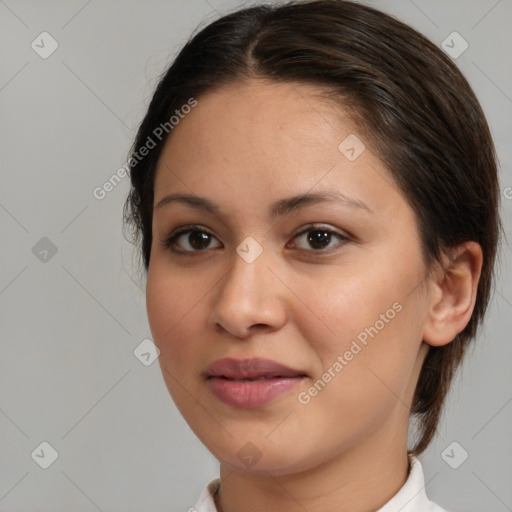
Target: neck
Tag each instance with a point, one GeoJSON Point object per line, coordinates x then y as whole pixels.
{"type": "Point", "coordinates": [357, 480]}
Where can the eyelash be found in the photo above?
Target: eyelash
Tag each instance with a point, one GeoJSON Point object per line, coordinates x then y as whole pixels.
{"type": "Point", "coordinates": [170, 241]}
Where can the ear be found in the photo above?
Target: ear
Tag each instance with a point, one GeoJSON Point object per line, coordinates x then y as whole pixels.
{"type": "Point", "coordinates": [453, 296]}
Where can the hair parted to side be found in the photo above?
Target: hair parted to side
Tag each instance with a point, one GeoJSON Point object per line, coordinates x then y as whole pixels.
{"type": "Point", "coordinates": [407, 98]}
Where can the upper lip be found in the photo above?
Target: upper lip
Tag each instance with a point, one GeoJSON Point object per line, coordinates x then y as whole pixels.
{"type": "Point", "coordinates": [249, 369]}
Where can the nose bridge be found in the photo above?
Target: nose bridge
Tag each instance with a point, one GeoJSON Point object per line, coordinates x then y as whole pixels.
{"type": "Point", "coordinates": [248, 275]}
{"type": "Point", "coordinates": [249, 293]}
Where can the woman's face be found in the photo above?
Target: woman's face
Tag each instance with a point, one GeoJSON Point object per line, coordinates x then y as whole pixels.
{"type": "Point", "coordinates": [342, 302]}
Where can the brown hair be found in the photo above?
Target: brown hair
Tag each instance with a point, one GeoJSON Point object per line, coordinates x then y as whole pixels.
{"type": "Point", "coordinates": [408, 97]}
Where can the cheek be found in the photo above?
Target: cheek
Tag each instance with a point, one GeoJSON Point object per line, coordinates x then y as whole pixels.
{"type": "Point", "coordinates": [369, 319]}
{"type": "Point", "coordinates": [361, 304]}
{"type": "Point", "coordinates": [172, 308]}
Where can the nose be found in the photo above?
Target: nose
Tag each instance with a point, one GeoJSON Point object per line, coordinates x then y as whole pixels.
{"type": "Point", "coordinates": [250, 298]}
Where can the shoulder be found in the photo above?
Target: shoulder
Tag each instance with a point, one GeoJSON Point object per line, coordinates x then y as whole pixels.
{"type": "Point", "coordinates": [412, 497]}
{"type": "Point", "coordinates": [206, 501]}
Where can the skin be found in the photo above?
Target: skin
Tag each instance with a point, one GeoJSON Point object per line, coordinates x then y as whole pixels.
{"type": "Point", "coordinates": [245, 147]}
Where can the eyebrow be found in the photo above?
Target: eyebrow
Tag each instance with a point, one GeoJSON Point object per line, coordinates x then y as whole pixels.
{"type": "Point", "coordinates": [280, 208]}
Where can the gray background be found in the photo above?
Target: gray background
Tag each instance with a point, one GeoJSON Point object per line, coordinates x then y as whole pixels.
{"type": "Point", "coordinates": [71, 320]}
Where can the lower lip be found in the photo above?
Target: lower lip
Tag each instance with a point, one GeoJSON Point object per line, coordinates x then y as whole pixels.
{"type": "Point", "coordinates": [251, 394]}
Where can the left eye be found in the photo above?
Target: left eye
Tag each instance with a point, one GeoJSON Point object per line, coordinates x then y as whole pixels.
{"type": "Point", "coordinates": [192, 240]}
{"type": "Point", "coordinates": [317, 238]}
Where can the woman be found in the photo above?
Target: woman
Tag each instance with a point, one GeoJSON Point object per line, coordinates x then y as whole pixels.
{"type": "Point", "coordinates": [314, 190]}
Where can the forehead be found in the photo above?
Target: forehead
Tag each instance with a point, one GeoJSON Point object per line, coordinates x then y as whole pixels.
{"type": "Point", "coordinates": [262, 140]}
{"type": "Point", "coordinates": [256, 119]}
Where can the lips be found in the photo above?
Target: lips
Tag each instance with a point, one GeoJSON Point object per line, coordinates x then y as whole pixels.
{"type": "Point", "coordinates": [250, 370]}
{"type": "Point", "coordinates": [251, 383]}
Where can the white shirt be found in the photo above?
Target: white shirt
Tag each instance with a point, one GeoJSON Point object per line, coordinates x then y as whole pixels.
{"type": "Point", "coordinates": [410, 498]}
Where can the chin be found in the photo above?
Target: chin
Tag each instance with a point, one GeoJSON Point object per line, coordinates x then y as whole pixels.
{"type": "Point", "coordinates": [264, 457]}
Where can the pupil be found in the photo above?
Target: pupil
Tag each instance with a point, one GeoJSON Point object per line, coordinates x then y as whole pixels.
{"type": "Point", "coordinates": [199, 239]}
{"type": "Point", "coordinates": [319, 239]}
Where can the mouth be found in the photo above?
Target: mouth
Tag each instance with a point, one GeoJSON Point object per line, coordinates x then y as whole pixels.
{"type": "Point", "coordinates": [250, 370]}
{"type": "Point", "coordinates": [250, 383]}
{"type": "Point", "coordinates": [255, 379]}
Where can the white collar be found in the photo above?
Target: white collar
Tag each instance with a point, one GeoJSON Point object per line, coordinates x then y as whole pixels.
{"type": "Point", "coordinates": [410, 498]}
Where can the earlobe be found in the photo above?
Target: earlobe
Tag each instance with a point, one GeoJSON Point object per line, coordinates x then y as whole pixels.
{"type": "Point", "coordinates": [453, 294]}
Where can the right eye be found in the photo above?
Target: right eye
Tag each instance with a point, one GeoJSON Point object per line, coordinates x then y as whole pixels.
{"type": "Point", "coordinates": [190, 239]}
